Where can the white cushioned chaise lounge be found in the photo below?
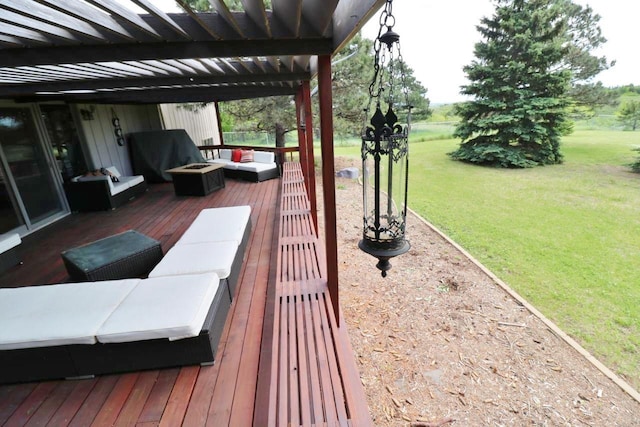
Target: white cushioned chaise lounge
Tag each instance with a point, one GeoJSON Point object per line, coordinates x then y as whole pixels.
{"type": "Point", "coordinates": [174, 317]}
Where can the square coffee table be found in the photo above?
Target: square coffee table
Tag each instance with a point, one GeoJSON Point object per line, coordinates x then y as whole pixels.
{"type": "Point", "coordinates": [197, 179]}
{"type": "Point", "coordinates": [125, 255]}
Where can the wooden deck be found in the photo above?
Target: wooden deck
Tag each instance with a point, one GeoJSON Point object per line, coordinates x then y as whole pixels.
{"type": "Point", "coordinates": [281, 359]}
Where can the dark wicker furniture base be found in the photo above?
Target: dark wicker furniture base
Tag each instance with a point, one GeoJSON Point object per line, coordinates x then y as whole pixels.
{"type": "Point", "coordinates": [241, 254]}
{"type": "Point", "coordinates": [9, 259]}
{"type": "Point", "coordinates": [125, 255]}
{"type": "Point", "coordinates": [96, 196]}
{"type": "Point", "coordinates": [198, 184]}
{"type": "Point", "coordinates": [48, 363]}
{"type": "Point", "coordinates": [35, 364]}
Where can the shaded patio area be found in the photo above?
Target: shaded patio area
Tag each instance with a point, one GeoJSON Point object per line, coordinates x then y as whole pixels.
{"type": "Point", "coordinates": [242, 387]}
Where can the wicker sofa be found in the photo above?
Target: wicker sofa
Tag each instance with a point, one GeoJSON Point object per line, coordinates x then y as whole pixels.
{"type": "Point", "coordinates": [98, 193]}
{"type": "Point", "coordinates": [174, 317]}
{"type": "Point", "coordinates": [262, 167]}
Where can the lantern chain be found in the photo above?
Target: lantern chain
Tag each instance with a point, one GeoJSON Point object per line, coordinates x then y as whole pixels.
{"type": "Point", "coordinates": [377, 87]}
{"type": "Point", "coordinates": [386, 20]}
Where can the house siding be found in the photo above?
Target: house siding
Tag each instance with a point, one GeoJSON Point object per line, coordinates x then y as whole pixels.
{"type": "Point", "coordinates": [201, 125]}
{"type": "Point", "coordinates": [102, 150]}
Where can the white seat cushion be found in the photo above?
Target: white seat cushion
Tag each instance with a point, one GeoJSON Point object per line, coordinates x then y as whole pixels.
{"type": "Point", "coordinates": [225, 154]}
{"type": "Point", "coordinates": [218, 225]}
{"type": "Point", "coordinates": [9, 241]}
{"type": "Point", "coordinates": [118, 187]}
{"type": "Point", "coordinates": [228, 164]}
{"type": "Point", "coordinates": [219, 161]}
{"type": "Point", "coordinates": [132, 181]}
{"type": "Point", "coordinates": [231, 165]}
{"type": "Point", "coordinates": [197, 258]}
{"type": "Point", "coordinates": [256, 166]}
{"type": "Point", "coordinates": [114, 171]}
{"type": "Point", "coordinates": [162, 307]}
{"type": "Point", "coordinates": [264, 157]}
{"type": "Point", "coordinates": [52, 315]}
{"type": "Point", "coordinates": [93, 178]}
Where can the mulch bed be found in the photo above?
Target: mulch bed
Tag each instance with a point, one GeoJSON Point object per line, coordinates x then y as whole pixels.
{"type": "Point", "coordinates": [439, 343]}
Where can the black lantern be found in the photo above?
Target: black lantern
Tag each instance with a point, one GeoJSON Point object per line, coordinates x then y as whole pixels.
{"type": "Point", "coordinates": [385, 151]}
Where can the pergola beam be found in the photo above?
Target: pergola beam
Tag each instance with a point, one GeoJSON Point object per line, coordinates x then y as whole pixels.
{"type": "Point", "coordinates": [167, 50]}
{"type": "Point", "coordinates": [169, 95]}
{"type": "Point", "coordinates": [94, 84]}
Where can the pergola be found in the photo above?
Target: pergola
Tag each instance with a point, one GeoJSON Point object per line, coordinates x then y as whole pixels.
{"type": "Point", "coordinates": [109, 52]}
{"type": "Point", "coordinates": [101, 51]}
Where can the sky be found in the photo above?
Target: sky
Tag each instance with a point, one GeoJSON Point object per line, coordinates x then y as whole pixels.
{"type": "Point", "coordinates": [437, 40]}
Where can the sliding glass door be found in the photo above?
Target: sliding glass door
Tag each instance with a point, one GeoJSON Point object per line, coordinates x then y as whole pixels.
{"type": "Point", "coordinates": [27, 171]}
{"type": "Point", "coordinates": [10, 217]}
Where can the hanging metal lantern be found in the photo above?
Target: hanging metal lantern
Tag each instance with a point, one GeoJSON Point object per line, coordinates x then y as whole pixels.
{"type": "Point", "coordinates": [385, 151]}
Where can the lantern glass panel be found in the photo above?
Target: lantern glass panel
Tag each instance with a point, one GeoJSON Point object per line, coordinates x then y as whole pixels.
{"type": "Point", "coordinates": [384, 155]}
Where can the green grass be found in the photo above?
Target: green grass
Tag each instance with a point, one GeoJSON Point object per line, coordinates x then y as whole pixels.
{"type": "Point", "coordinates": [565, 237]}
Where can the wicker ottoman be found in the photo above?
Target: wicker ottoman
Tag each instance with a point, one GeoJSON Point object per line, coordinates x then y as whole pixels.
{"type": "Point", "coordinates": [125, 255]}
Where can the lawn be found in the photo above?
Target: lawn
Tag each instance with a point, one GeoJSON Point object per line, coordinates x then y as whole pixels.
{"type": "Point", "coordinates": [565, 237]}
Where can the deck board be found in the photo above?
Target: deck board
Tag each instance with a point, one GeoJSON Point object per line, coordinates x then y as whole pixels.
{"type": "Point", "coordinates": [115, 401]}
{"type": "Point", "coordinates": [180, 396]}
{"type": "Point", "coordinates": [239, 388]}
{"type": "Point", "coordinates": [158, 397]}
{"type": "Point", "coordinates": [50, 405]}
{"type": "Point", "coordinates": [31, 404]}
{"type": "Point", "coordinates": [11, 397]}
{"type": "Point", "coordinates": [65, 413]}
{"type": "Point", "coordinates": [92, 404]}
{"type": "Point", "coordinates": [135, 403]}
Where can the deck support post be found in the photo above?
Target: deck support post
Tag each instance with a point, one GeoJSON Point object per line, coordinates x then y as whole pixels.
{"type": "Point", "coordinates": [302, 136]}
{"type": "Point", "coordinates": [217, 106]}
{"type": "Point", "coordinates": [305, 146]}
{"type": "Point", "coordinates": [311, 170]}
{"type": "Point", "coordinates": [328, 179]}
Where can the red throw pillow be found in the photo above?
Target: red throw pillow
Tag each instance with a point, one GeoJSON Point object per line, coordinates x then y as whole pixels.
{"type": "Point", "coordinates": [247, 156]}
{"type": "Point", "coordinates": [236, 155]}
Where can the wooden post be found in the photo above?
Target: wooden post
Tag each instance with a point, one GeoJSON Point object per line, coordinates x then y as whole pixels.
{"type": "Point", "coordinates": [302, 138]}
{"type": "Point", "coordinates": [219, 122]}
{"type": "Point", "coordinates": [311, 184]}
{"type": "Point", "coordinates": [328, 179]}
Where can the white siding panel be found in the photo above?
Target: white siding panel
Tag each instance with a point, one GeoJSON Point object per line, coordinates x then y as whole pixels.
{"type": "Point", "coordinates": [99, 137]}
{"type": "Point", "coordinates": [201, 124]}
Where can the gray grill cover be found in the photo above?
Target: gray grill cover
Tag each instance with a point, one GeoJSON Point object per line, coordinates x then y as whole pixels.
{"type": "Point", "coordinates": [153, 152]}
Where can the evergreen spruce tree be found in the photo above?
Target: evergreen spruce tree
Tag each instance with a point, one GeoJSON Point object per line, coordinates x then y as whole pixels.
{"type": "Point", "coordinates": [520, 92]}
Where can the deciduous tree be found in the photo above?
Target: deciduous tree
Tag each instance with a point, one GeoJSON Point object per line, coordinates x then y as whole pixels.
{"type": "Point", "coordinates": [629, 114]}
